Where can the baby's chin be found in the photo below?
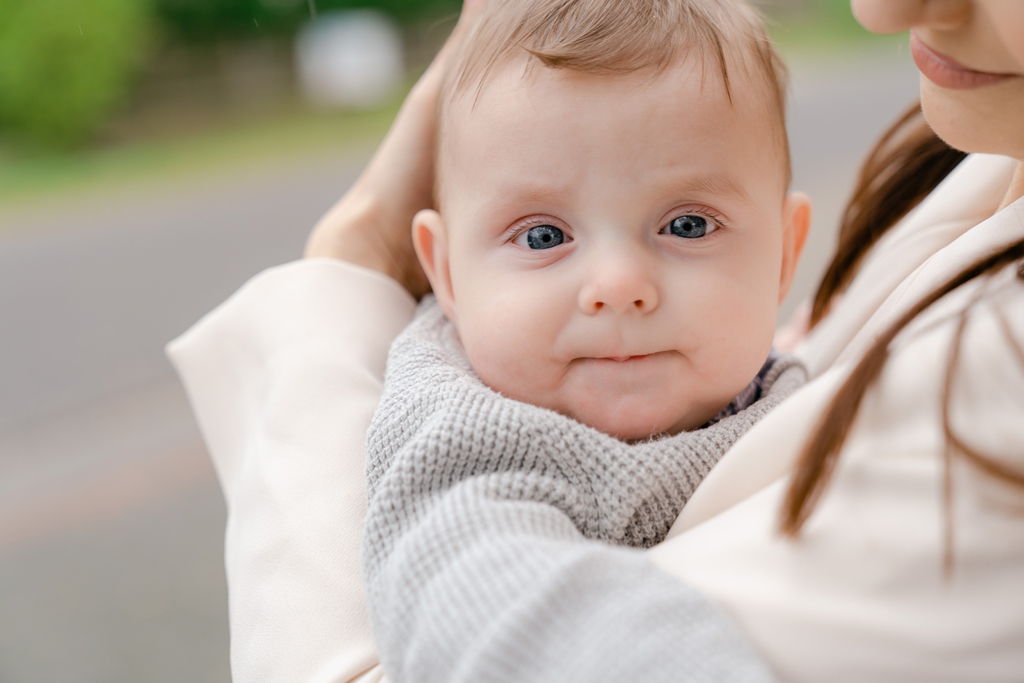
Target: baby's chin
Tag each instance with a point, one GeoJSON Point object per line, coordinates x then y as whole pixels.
{"type": "Point", "coordinates": [632, 419]}
{"type": "Point", "coordinates": [627, 416]}
{"type": "Point", "coordinates": [637, 423]}
{"type": "Point", "coordinates": [629, 411]}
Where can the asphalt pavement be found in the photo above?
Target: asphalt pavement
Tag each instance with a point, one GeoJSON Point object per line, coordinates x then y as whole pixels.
{"type": "Point", "coordinates": [110, 516]}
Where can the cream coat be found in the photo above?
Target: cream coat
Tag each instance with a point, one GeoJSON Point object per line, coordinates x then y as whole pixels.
{"type": "Point", "coordinates": [285, 375]}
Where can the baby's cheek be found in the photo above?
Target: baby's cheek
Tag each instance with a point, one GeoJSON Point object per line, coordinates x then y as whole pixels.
{"type": "Point", "coordinates": [736, 338]}
{"type": "Point", "coordinates": [500, 369]}
{"type": "Point", "coordinates": [488, 347]}
{"type": "Point", "coordinates": [510, 363]}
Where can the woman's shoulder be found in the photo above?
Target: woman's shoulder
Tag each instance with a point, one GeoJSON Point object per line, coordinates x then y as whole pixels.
{"type": "Point", "coordinates": [952, 379]}
{"type": "Point", "coordinates": [958, 223]}
{"type": "Point", "coordinates": [980, 336]}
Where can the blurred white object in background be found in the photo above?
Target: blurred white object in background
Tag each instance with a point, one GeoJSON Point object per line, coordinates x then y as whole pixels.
{"type": "Point", "coordinates": [349, 59]}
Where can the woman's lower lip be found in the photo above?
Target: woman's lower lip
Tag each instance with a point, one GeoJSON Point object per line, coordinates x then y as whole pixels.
{"type": "Point", "coordinates": [946, 73]}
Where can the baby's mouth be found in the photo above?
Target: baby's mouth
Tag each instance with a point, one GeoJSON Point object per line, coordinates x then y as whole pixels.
{"type": "Point", "coordinates": [623, 358]}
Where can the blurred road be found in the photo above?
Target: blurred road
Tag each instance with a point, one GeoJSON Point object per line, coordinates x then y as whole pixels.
{"type": "Point", "coordinates": [110, 517]}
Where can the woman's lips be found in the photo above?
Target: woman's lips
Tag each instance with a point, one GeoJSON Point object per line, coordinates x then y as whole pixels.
{"type": "Point", "coordinates": [947, 73]}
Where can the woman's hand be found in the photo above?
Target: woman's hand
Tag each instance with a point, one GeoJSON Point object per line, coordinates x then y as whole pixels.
{"type": "Point", "coordinates": [370, 225]}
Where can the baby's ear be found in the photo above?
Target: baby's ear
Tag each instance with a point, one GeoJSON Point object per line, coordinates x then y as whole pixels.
{"type": "Point", "coordinates": [796, 223]}
{"type": "Point", "coordinates": [430, 239]}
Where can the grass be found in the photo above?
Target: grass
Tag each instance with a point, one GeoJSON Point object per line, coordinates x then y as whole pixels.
{"type": "Point", "coordinates": [27, 176]}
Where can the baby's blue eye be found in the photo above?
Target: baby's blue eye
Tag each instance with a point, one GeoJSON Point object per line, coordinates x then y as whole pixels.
{"type": "Point", "coordinates": [544, 237]}
{"type": "Point", "coordinates": [690, 226]}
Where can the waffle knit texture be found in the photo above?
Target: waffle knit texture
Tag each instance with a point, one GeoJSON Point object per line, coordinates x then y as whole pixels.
{"type": "Point", "coordinates": [489, 539]}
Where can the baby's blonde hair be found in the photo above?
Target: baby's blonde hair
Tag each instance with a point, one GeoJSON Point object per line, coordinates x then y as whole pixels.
{"type": "Point", "coordinates": [622, 36]}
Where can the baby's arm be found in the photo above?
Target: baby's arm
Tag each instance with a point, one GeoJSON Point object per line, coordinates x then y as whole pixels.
{"type": "Point", "coordinates": [477, 579]}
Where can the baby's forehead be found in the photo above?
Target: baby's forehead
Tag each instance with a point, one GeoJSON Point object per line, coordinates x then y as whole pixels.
{"type": "Point", "coordinates": [516, 94]}
{"type": "Point", "coordinates": [526, 75]}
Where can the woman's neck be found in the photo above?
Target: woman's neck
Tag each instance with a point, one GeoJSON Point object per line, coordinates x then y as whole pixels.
{"type": "Point", "coordinates": [1016, 189]}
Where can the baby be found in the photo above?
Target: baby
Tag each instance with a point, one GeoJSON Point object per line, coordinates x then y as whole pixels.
{"type": "Point", "coordinates": [613, 237]}
{"type": "Point", "coordinates": [614, 232]}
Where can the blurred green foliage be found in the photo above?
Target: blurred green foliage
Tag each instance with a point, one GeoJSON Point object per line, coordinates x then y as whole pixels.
{"type": "Point", "coordinates": [212, 20]}
{"type": "Point", "coordinates": [816, 25]}
{"type": "Point", "coordinates": [65, 64]}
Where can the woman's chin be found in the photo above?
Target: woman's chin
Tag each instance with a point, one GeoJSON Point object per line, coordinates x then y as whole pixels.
{"type": "Point", "coordinates": [973, 122]}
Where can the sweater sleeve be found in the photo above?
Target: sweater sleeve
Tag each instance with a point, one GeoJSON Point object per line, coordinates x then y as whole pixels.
{"type": "Point", "coordinates": [283, 379]}
{"type": "Point", "coordinates": [481, 551]}
{"type": "Point", "coordinates": [487, 587]}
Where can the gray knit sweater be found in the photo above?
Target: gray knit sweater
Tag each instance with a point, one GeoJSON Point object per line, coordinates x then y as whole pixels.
{"type": "Point", "coordinates": [489, 538]}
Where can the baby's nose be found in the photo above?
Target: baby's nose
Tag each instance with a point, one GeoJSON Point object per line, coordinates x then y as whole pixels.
{"type": "Point", "coordinates": [620, 290]}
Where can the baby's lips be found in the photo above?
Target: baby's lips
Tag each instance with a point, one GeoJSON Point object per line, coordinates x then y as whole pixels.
{"type": "Point", "coordinates": [621, 358]}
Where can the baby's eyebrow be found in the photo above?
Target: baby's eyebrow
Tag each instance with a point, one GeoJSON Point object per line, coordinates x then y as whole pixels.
{"type": "Point", "coordinates": [533, 189]}
{"type": "Point", "coordinates": [717, 185]}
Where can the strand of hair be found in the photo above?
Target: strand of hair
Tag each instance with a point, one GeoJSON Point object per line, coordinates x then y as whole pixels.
{"type": "Point", "coordinates": [817, 460]}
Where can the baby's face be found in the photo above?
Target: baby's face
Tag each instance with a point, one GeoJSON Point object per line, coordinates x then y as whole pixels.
{"type": "Point", "coordinates": [613, 248]}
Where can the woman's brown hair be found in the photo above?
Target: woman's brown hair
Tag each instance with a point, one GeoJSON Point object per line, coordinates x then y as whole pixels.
{"type": "Point", "coordinates": [907, 164]}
